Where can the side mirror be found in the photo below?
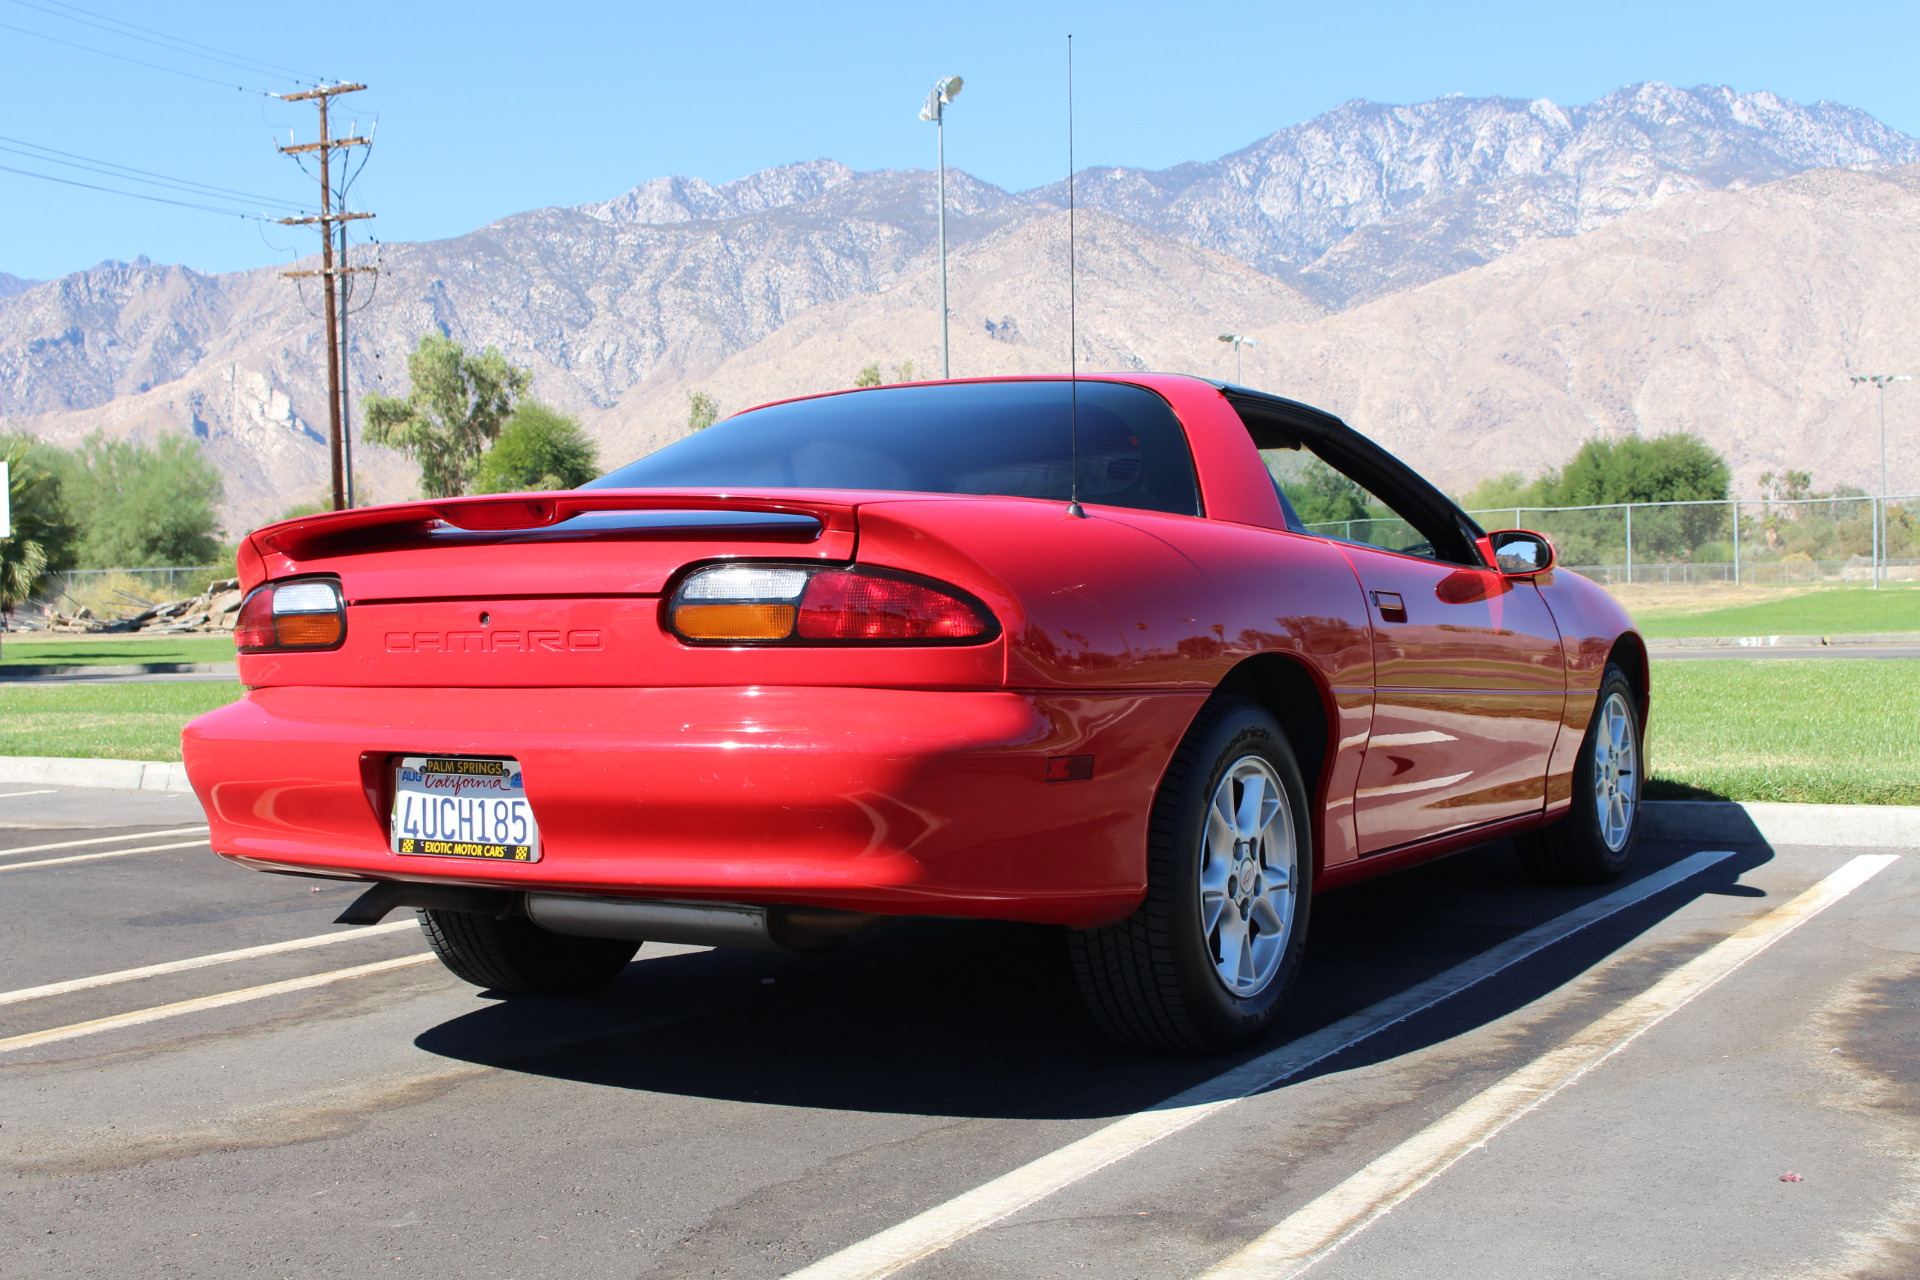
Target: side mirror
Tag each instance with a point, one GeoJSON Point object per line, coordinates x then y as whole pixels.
{"type": "Point", "coordinates": [1518, 553]}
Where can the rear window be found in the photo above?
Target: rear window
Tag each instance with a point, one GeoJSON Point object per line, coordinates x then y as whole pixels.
{"type": "Point", "coordinates": [1004, 438]}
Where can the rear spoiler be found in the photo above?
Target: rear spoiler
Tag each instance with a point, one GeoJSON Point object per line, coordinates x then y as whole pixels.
{"type": "Point", "coordinates": [557, 517]}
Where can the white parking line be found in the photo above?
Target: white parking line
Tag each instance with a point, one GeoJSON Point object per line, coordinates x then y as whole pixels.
{"type": "Point", "coordinates": [156, 1013]}
{"type": "Point", "coordinates": [95, 857]}
{"type": "Point", "coordinates": [15, 795]}
{"type": "Point", "coordinates": [1316, 1230]}
{"type": "Point", "coordinates": [75, 844]}
{"type": "Point", "coordinates": [200, 962]}
{"type": "Point", "coordinates": [946, 1224]}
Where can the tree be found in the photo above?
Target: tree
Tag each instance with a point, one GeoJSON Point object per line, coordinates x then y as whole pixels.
{"type": "Point", "coordinates": [539, 448]}
{"type": "Point", "coordinates": [1675, 467]}
{"type": "Point", "coordinates": [869, 376]}
{"type": "Point", "coordinates": [1321, 494]}
{"type": "Point", "coordinates": [1788, 486]}
{"type": "Point", "coordinates": [1508, 489]}
{"type": "Point", "coordinates": [702, 411]}
{"type": "Point", "coordinates": [42, 538]}
{"type": "Point", "coordinates": [141, 505]}
{"type": "Point", "coordinates": [454, 410]}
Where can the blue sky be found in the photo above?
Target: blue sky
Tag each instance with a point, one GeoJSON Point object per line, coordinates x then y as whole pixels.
{"type": "Point", "coordinates": [487, 109]}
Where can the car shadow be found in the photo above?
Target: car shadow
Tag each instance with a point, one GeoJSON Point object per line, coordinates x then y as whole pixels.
{"type": "Point", "coordinates": [976, 1018]}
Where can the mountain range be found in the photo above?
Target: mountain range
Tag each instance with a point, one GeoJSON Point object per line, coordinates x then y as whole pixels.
{"type": "Point", "coordinates": [1480, 283]}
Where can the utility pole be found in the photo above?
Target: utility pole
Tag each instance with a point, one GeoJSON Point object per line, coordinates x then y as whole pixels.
{"type": "Point", "coordinates": [330, 275]}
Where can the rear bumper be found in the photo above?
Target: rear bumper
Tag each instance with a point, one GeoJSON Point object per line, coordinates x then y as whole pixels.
{"type": "Point", "coordinates": [881, 800]}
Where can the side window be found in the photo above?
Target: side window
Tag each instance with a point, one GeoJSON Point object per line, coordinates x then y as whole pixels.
{"type": "Point", "coordinates": [1331, 504]}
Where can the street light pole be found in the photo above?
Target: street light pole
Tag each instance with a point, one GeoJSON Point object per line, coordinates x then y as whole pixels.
{"type": "Point", "coordinates": [1880, 381]}
{"type": "Point", "coordinates": [942, 94]}
{"type": "Point", "coordinates": [1238, 341]}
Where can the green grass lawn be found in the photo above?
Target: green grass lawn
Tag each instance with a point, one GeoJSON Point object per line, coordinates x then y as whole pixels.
{"type": "Point", "coordinates": [1827, 611]}
{"type": "Point", "coordinates": [87, 651]}
{"type": "Point", "coordinates": [1819, 730]}
{"type": "Point", "coordinates": [116, 721]}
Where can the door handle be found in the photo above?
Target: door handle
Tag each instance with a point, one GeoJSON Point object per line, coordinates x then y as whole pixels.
{"type": "Point", "coordinates": [1392, 608]}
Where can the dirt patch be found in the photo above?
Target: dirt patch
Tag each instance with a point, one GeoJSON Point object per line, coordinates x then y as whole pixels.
{"type": "Point", "coordinates": [1876, 1027]}
{"type": "Point", "coordinates": [1704, 597]}
{"type": "Point", "coordinates": [329, 1114]}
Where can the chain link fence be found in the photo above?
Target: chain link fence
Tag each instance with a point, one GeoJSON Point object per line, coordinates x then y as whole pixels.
{"type": "Point", "coordinates": [111, 594]}
{"type": "Point", "coordinates": [1750, 542]}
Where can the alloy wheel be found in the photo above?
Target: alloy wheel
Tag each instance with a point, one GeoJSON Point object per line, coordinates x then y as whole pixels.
{"type": "Point", "coordinates": [1248, 864]}
{"type": "Point", "coordinates": [1616, 771]}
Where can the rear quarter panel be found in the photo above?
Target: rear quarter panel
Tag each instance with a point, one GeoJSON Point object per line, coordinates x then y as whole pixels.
{"type": "Point", "coordinates": [1131, 600]}
{"type": "Point", "coordinates": [1593, 630]}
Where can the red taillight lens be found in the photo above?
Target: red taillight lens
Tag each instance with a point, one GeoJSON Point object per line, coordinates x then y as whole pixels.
{"type": "Point", "coordinates": [254, 628]}
{"type": "Point", "coordinates": [844, 605]}
{"type": "Point", "coordinates": [307, 613]}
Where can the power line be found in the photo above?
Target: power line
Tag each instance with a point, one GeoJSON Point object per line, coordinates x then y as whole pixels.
{"type": "Point", "coordinates": [136, 195]}
{"type": "Point", "coordinates": [138, 62]}
{"type": "Point", "coordinates": [174, 44]}
{"type": "Point", "coordinates": [73, 160]}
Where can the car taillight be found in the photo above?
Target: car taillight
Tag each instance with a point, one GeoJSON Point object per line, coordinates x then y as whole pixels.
{"type": "Point", "coordinates": [750, 603]}
{"type": "Point", "coordinates": [308, 614]}
{"type": "Point", "coordinates": [849, 605]}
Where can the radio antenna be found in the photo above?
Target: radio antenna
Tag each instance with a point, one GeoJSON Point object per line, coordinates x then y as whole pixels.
{"type": "Point", "coordinates": [1073, 320]}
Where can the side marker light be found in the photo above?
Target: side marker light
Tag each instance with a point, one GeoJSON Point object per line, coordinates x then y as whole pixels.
{"type": "Point", "coordinates": [1069, 768]}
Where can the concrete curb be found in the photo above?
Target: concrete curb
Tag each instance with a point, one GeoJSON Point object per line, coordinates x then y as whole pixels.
{"type": "Point", "coordinates": [1855, 826]}
{"type": "Point", "coordinates": [1783, 642]}
{"type": "Point", "coordinates": [80, 771]}
{"type": "Point", "coordinates": [23, 673]}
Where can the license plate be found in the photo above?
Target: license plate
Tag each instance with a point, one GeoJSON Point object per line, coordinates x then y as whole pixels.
{"type": "Point", "coordinates": [459, 807]}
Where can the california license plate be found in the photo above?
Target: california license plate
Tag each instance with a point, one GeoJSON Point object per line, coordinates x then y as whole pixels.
{"type": "Point", "coordinates": [460, 807]}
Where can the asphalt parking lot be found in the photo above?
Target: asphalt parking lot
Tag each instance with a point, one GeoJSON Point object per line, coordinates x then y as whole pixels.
{"type": "Point", "coordinates": [930, 1100]}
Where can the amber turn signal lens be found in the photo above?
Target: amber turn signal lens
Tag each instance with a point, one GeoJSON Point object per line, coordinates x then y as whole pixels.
{"type": "Point", "coordinates": [307, 630]}
{"type": "Point", "coordinates": [750, 621]}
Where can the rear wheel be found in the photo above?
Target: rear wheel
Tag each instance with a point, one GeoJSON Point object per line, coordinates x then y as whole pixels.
{"type": "Point", "coordinates": [1592, 842]}
{"type": "Point", "coordinates": [1206, 959]}
{"type": "Point", "coordinates": [515, 956]}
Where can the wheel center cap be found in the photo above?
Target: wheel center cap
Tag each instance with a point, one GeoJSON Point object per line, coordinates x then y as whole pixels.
{"type": "Point", "coordinates": [1248, 873]}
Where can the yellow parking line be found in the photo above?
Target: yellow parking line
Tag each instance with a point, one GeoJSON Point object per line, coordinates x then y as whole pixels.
{"type": "Point", "coordinates": [95, 857]}
{"type": "Point", "coordinates": [74, 1030]}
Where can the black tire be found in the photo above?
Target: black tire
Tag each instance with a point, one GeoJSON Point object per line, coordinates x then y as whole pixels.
{"type": "Point", "coordinates": [515, 956]}
{"type": "Point", "coordinates": [1153, 980]}
{"type": "Point", "coordinates": [1580, 847]}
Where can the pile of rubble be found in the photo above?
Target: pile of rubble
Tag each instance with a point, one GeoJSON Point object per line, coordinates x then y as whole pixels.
{"type": "Point", "coordinates": [214, 609]}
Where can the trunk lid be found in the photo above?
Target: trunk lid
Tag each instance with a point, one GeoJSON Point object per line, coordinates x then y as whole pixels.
{"type": "Point", "coordinates": [562, 590]}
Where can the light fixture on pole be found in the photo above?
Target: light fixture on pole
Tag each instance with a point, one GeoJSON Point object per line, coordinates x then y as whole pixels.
{"type": "Point", "coordinates": [1238, 341]}
{"type": "Point", "coordinates": [942, 94]}
{"type": "Point", "coordinates": [1880, 380]}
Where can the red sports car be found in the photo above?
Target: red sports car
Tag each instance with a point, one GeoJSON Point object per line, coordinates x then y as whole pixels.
{"type": "Point", "coordinates": [1041, 649]}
